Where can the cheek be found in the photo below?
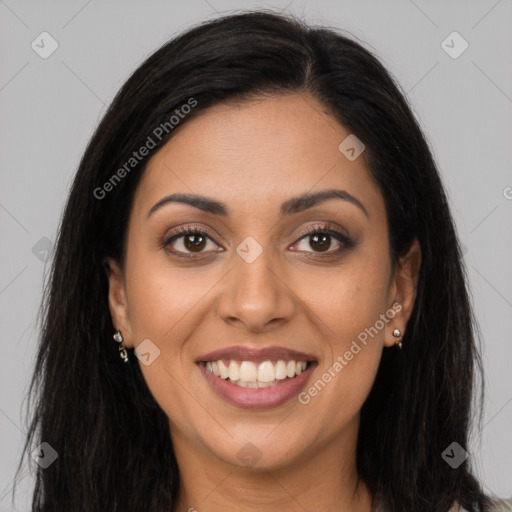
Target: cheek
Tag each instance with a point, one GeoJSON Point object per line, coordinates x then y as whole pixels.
{"type": "Point", "coordinates": [350, 298]}
{"type": "Point", "coordinates": [348, 304]}
{"type": "Point", "coordinates": [161, 297]}
{"type": "Point", "coordinates": [165, 305]}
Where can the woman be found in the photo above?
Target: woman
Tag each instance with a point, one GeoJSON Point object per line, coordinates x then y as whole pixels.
{"type": "Point", "coordinates": [257, 300]}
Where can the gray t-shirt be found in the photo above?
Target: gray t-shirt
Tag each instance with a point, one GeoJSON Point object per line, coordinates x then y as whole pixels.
{"type": "Point", "coordinates": [500, 506]}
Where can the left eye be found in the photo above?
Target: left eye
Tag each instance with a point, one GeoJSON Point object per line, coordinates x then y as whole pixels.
{"type": "Point", "coordinates": [321, 241]}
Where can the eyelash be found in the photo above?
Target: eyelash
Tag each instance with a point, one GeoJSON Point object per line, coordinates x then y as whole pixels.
{"type": "Point", "coordinates": [326, 229]}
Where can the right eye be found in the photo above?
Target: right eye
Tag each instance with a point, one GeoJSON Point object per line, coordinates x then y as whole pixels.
{"type": "Point", "coordinates": [187, 241]}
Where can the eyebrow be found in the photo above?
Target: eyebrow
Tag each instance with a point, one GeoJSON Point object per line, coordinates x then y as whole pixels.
{"type": "Point", "coordinates": [291, 206]}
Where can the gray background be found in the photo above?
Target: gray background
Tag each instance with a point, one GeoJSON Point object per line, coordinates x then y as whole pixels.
{"type": "Point", "coordinates": [49, 108]}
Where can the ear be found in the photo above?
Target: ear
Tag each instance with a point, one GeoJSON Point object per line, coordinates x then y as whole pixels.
{"type": "Point", "coordinates": [117, 302]}
{"type": "Point", "coordinates": [402, 292]}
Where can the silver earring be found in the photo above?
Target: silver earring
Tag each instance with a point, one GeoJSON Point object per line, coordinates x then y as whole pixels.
{"type": "Point", "coordinates": [397, 333]}
{"type": "Point", "coordinates": [123, 354]}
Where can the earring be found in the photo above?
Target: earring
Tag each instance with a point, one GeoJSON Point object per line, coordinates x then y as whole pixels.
{"type": "Point", "coordinates": [123, 354]}
{"type": "Point", "coordinates": [397, 333]}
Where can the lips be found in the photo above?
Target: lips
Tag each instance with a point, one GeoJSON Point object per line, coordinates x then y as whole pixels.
{"type": "Point", "coordinates": [256, 378]}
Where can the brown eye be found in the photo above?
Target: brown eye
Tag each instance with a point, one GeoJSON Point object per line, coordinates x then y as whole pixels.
{"type": "Point", "coordinates": [194, 242]}
{"type": "Point", "coordinates": [189, 241]}
{"type": "Point", "coordinates": [320, 241]}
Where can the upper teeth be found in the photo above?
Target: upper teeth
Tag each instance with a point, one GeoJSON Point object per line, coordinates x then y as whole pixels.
{"type": "Point", "coordinates": [248, 371]}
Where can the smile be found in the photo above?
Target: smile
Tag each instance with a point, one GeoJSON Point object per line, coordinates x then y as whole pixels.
{"type": "Point", "coordinates": [256, 378]}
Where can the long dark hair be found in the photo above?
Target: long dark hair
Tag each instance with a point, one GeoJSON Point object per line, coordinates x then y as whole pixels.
{"type": "Point", "coordinates": [112, 439]}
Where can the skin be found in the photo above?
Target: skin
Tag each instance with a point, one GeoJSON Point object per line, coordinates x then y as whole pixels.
{"type": "Point", "coordinates": [253, 156]}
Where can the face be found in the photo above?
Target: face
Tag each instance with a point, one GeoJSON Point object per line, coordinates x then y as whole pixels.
{"type": "Point", "coordinates": [280, 270]}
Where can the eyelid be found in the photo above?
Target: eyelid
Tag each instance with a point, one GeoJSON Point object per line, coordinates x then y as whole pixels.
{"type": "Point", "coordinates": [325, 225]}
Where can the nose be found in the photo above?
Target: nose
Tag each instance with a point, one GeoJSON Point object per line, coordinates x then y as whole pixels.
{"type": "Point", "coordinates": [256, 296]}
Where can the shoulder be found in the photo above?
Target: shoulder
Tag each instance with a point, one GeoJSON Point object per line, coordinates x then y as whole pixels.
{"type": "Point", "coordinates": [503, 506]}
{"type": "Point", "coordinates": [499, 506]}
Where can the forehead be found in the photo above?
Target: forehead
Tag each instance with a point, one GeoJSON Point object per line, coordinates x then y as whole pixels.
{"type": "Point", "coordinates": [253, 153]}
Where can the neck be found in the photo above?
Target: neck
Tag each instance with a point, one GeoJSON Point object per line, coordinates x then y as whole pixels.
{"type": "Point", "coordinates": [325, 479]}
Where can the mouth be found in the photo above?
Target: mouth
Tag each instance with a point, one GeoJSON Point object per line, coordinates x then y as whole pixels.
{"type": "Point", "coordinates": [256, 378]}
